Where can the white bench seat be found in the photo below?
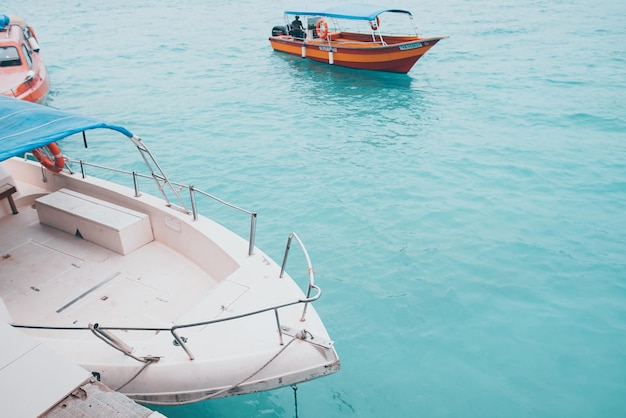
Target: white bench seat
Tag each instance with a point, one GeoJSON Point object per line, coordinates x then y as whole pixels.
{"type": "Point", "coordinates": [111, 226]}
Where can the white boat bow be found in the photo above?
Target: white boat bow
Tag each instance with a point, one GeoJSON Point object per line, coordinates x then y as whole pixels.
{"type": "Point", "coordinates": [155, 300]}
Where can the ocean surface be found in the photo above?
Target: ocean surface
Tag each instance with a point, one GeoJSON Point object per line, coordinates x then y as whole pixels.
{"type": "Point", "coordinates": [466, 221]}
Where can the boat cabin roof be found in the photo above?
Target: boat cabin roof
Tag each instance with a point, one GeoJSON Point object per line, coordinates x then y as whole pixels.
{"type": "Point", "coordinates": [11, 41]}
{"type": "Point", "coordinates": [26, 126]}
{"type": "Point", "coordinates": [7, 21]}
{"type": "Point", "coordinates": [346, 11]}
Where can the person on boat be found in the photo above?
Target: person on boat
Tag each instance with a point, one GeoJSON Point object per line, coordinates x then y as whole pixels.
{"type": "Point", "coordinates": [297, 23]}
{"type": "Point", "coordinates": [296, 28]}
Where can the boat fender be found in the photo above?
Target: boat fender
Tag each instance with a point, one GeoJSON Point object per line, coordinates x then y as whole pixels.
{"type": "Point", "coordinates": [375, 25]}
{"type": "Point", "coordinates": [321, 28]}
{"type": "Point", "coordinates": [32, 39]}
{"type": "Point", "coordinates": [33, 44]}
{"type": "Point", "coordinates": [59, 160]}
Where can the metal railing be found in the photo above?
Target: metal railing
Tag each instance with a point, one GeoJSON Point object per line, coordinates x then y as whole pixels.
{"type": "Point", "coordinates": [310, 270]}
{"type": "Point", "coordinates": [175, 188]}
{"type": "Point", "coordinates": [162, 181]}
{"type": "Point", "coordinates": [101, 331]}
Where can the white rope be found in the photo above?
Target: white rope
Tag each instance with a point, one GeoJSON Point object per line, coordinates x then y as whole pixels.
{"type": "Point", "coordinates": [149, 362]}
{"type": "Point", "coordinates": [219, 392]}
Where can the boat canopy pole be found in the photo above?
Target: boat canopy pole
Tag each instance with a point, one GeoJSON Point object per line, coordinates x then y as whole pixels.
{"type": "Point", "coordinates": [418, 32]}
{"type": "Point", "coordinates": [157, 173]}
{"type": "Point", "coordinates": [159, 176]}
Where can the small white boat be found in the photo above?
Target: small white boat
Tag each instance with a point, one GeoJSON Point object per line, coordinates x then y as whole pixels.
{"type": "Point", "coordinates": [155, 300]}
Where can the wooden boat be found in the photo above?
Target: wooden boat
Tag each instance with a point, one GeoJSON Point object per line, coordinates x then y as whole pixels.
{"type": "Point", "coordinates": [353, 35]}
{"type": "Point", "coordinates": [22, 71]}
{"type": "Point", "coordinates": [158, 302]}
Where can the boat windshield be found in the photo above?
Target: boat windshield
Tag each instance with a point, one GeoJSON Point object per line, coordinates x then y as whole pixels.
{"type": "Point", "coordinates": [9, 57]}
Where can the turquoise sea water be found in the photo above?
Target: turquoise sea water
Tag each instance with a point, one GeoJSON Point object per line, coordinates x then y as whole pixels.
{"type": "Point", "coordinates": [467, 221]}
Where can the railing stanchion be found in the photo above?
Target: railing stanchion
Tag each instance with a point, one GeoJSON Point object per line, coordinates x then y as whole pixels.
{"type": "Point", "coordinates": [135, 184]}
{"type": "Point", "coordinates": [252, 233]}
{"type": "Point", "coordinates": [310, 272]}
{"type": "Point", "coordinates": [282, 267]}
{"type": "Point", "coordinates": [280, 331]}
{"type": "Point", "coordinates": [192, 197]}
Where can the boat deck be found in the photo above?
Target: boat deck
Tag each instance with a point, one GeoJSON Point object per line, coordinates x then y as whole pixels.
{"type": "Point", "coordinates": [53, 278]}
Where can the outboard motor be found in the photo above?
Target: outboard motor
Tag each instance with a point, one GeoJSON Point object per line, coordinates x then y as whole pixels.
{"type": "Point", "coordinates": [279, 30]}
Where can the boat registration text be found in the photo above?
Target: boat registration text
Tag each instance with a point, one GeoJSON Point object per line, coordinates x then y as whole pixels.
{"type": "Point", "coordinates": [411, 46]}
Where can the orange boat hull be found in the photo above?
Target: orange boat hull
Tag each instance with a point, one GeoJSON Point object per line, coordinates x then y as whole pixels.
{"type": "Point", "coordinates": [35, 90]}
{"type": "Point", "coordinates": [398, 54]}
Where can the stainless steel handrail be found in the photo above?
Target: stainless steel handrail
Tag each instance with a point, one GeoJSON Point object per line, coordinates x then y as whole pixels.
{"type": "Point", "coordinates": [253, 215]}
{"type": "Point", "coordinates": [180, 340]}
{"type": "Point", "coordinates": [192, 194]}
{"type": "Point", "coordinates": [310, 270]}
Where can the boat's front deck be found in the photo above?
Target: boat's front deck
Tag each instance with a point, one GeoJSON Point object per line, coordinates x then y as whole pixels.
{"type": "Point", "coordinates": [52, 278]}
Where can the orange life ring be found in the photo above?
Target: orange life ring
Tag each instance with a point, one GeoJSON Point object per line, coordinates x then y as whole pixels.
{"type": "Point", "coordinates": [375, 25]}
{"type": "Point", "coordinates": [321, 33]}
{"type": "Point", "coordinates": [59, 160]}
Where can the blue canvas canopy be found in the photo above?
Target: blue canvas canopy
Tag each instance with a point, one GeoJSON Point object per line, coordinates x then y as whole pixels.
{"type": "Point", "coordinates": [25, 126]}
{"type": "Point", "coordinates": [346, 11]}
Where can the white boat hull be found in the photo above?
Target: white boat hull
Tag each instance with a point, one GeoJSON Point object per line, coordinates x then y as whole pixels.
{"type": "Point", "coordinates": [62, 288]}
